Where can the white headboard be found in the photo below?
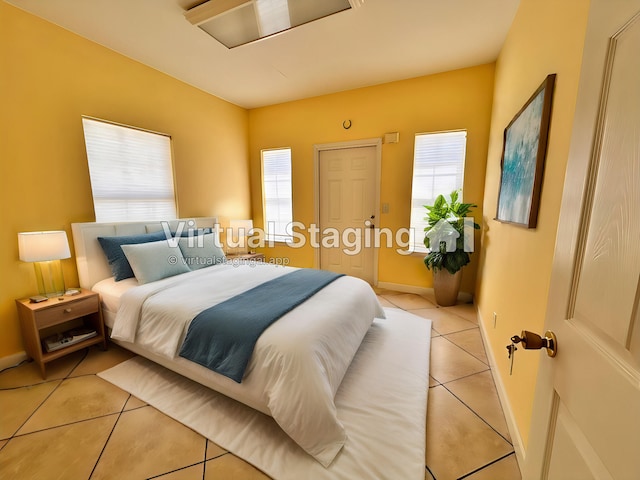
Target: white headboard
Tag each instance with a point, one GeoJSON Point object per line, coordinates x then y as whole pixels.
{"type": "Point", "coordinates": [90, 259]}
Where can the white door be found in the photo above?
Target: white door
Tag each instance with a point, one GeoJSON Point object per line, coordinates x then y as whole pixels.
{"type": "Point", "coordinates": [586, 421]}
{"type": "Point", "coordinates": [347, 201]}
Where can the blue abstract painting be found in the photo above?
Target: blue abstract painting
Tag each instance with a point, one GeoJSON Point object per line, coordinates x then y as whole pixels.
{"type": "Point", "coordinates": [523, 150]}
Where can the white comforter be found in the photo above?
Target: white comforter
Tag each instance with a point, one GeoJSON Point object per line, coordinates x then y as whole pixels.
{"type": "Point", "coordinates": [299, 361]}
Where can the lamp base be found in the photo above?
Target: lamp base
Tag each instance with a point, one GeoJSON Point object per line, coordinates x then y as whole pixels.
{"type": "Point", "coordinates": [49, 278]}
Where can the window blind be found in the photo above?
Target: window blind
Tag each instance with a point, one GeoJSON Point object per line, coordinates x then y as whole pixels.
{"type": "Point", "coordinates": [438, 168]}
{"type": "Point", "coordinates": [131, 172]}
{"type": "Point", "coordinates": [276, 187]}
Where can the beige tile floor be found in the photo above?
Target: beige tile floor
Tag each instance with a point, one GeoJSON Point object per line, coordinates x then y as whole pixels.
{"type": "Point", "coordinates": [74, 425]}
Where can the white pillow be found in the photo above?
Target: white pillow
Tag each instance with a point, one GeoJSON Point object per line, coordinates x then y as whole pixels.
{"type": "Point", "coordinates": [155, 260]}
{"type": "Point", "coordinates": [201, 251]}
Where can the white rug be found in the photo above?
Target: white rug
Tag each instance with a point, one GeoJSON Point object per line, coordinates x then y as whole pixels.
{"type": "Point", "coordinates": [382, 403]}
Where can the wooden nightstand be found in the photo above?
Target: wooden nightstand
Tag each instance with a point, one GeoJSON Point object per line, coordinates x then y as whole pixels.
{"type": "Point", "coordinates": [57, 315]}
{"type": "Point", "coordinates": [248, 257]}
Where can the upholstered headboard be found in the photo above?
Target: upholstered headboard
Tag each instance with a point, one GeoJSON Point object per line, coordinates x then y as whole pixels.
{"type": "Point", "coordinates": [90, 259]}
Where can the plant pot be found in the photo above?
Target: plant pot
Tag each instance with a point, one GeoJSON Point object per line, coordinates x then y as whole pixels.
{"type": "Point", "coordinates": [446, 287]}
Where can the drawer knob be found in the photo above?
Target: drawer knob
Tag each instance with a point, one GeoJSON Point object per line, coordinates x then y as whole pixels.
{"type": "Point", "coordinates": [67, 310]}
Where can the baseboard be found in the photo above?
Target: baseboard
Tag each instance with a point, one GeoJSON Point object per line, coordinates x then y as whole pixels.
{"type": "Point", "coordinates": [12, 360]}
{"type": "Point", "coordinates": [463, 297]}
{"type": "Point", "coordinates": [516, 438]}
{"type": "Point", "coordinates": [400, 287]}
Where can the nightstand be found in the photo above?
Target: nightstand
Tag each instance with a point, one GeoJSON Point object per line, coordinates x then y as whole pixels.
{"type": "Point", "coordinates": [247, 257]}
{"type": "Point", "coordinates": [56, 315]}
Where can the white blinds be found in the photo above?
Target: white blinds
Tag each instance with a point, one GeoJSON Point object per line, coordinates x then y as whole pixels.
{"type": "Point", "coordinates": [438, 168]}
{"type": "Point", "coordinates": [276, 186]}
{"type": "Point", "coordinates": [131, 172]}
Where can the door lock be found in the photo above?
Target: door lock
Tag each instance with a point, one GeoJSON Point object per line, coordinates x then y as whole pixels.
{"type": "Point", "coordinates": [533, 341]}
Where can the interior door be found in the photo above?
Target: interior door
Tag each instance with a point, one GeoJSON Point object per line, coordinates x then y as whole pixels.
{"type": "Point", "coordinates": [586, 421]}
{"type": "Point", "coordinates": [347, 182]}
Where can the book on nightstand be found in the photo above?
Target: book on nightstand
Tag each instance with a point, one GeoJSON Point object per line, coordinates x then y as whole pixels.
{"type": "Point", "coordinates": [68, 338]}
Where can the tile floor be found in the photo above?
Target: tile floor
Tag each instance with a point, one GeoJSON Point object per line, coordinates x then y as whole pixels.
{"type": "Point", "coordinates": [74, 425]}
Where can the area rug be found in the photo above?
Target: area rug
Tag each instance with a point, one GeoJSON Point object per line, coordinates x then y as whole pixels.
{"type": "Point", "coordinates": [382, 403]}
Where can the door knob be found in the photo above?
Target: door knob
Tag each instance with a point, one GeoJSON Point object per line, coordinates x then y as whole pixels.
{"type": "Point", "coordinates": [533, 341]}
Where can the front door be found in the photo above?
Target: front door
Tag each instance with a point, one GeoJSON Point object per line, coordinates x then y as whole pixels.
{"type": "Point", "coordinates": [347, 201]}
{"type": "Point", "coordinates": [586, 422]}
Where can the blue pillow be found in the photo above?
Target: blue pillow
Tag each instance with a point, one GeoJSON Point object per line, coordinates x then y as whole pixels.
{"type": "Point", "coordinates": [115, 256]}
{"type": "Point", "coordinates": [201, 251]}
{"type": "Point", "coordinates": [153, 261]}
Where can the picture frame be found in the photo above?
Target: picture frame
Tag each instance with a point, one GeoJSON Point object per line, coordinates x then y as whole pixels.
{"type": "Point", "coordinates": [523, 157]}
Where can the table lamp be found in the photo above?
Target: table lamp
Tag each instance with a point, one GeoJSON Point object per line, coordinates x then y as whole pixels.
{"type": "Point", "coordinates": [241, 229]}
{"type": "Point", "coordinates": [45, 250]}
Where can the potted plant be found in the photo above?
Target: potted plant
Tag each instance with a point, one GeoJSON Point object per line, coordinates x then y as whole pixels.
{"type": "Point", "coordinates": [444, 238]}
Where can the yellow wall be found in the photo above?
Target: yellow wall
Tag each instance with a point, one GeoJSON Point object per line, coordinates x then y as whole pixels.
{"type": "Point", "coordinates": [546, 37]}
{"type": "Point", "coordinates": [454, 100]}
{"type": "Point", "coordinates": [48, 79]}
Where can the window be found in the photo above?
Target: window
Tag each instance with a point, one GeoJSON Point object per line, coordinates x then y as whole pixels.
{"type": "Point", "coordinates": [131, 172]}
{"type": "Point", "coordinates": [276, 187]}
{"type": "Point", "coordinates": [438, 168]}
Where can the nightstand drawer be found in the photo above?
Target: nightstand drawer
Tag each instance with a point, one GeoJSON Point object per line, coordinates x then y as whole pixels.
{"type": "Point", "coordinates": [67, 311]}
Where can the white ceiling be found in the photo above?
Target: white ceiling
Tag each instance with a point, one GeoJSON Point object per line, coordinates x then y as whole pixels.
{"type": "Point", "coordinates": [381, 41]}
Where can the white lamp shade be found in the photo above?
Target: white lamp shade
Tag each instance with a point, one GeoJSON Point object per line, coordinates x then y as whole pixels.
{"type": "Point", "coordinates": [242, 228]}
{"type": "Point", "coordinates": [43, 246]}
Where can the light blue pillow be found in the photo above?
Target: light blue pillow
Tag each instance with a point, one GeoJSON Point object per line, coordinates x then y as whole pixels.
{"type": "Point", "coordinates": [201, 251]}
{"type": "Point", "coordinates": [155, 260]}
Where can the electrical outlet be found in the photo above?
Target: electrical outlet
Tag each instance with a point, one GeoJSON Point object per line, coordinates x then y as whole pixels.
{"type": "Point", "coordinates": [495, 319]}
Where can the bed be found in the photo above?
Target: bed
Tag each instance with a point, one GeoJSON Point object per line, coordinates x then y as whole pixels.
{"type": "Point", "coordinates": [298, 362]}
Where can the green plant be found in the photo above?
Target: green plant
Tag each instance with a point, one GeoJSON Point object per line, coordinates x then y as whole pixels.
{"type": "Point", "coordinates": [452, 212]}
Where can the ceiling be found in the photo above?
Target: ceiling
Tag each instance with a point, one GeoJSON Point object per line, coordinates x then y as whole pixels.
{"type": "Point", "coordinates": [379, 42]}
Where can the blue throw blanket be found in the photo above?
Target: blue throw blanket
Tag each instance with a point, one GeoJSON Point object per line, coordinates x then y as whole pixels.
{"type": "Point", "coordinates": [222, 337]}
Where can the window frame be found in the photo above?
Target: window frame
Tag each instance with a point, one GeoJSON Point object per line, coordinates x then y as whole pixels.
{"type": "Point", "coordinates": [417, 233]}
{"type": "Point", "coordinates": [168, 172]}
{"type": "Point", "coordinates": [276, 237]}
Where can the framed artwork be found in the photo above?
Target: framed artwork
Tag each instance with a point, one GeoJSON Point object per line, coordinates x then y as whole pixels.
{"type": "Point", "coordinates": [523, 156]}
